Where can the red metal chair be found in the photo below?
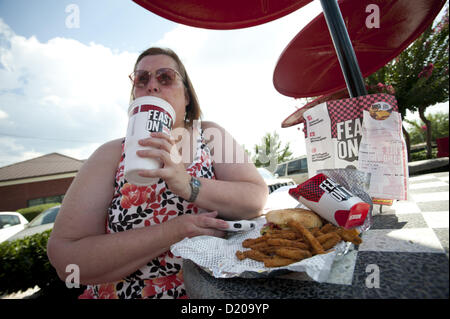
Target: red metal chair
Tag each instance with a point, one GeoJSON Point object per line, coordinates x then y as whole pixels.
{"type": "Point", "coordinates": [442, 145]}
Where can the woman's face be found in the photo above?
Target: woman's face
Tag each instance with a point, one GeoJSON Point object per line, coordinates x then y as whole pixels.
{"type": "Point", "coordinates": [174, 94]}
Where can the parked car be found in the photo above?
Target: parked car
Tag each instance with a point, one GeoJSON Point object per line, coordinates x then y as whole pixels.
{"type": "Point", "coordinates": [296, 169]}
{"type": "Point", "coordinates": [10, 224]}
{"type": "Point", "coordinates": [39, 224]}
{"type": "Point", "coordinates": [272, 181]}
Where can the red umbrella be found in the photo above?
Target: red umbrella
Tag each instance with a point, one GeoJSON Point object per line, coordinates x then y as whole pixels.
{"type": "Point", "coordinates": [222, 14]}
{"type": "Point", "coordinates": [309, 65]}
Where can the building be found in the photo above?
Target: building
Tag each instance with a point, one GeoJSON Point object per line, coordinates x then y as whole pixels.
{"type": "Point", "coordinates": [40, 180]}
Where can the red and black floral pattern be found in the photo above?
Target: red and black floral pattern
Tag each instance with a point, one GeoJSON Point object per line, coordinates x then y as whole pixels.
{"type": "Point", "coordinates": [134, 207]}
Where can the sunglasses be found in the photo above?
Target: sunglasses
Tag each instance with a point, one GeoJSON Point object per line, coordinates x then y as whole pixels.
{"type": "Point", "coordinates": [164, 76]}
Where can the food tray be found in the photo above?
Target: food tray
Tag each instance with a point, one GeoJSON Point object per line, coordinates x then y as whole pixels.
{"type": "Point", "coordinates": [217, 257]}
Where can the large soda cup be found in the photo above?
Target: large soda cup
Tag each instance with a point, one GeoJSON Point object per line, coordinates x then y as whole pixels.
{"type": "Point", "coordinates": [331, 201]}
{"type": "Point", "coordinates": [147, 114]}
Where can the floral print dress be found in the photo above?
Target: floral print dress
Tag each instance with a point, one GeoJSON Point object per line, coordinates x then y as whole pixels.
{"type": "Point", "coordinates": [142, 206]}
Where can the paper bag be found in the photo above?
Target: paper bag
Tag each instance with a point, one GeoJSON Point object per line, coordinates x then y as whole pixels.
{"type": "Point", "coordinates": [334, 131]}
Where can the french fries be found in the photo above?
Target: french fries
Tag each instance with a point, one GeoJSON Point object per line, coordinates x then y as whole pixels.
{"type": "Point", "coordinates": [283, 247]}
{"type": "Point", "coordinates": [293, 253]}
{"type": "Point", "coordinates": [316, 247]}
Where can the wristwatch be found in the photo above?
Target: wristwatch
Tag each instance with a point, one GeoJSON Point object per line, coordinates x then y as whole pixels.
{"type": "Point", "coordinates": [195, 188]}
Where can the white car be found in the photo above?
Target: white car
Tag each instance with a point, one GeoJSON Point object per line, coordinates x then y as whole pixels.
{"type": "Point", "coordinates": [273, 181]}
{"type": "Point", "coordinates": [10, 224]}
{"type": "Point", "coordinates": [42, 222]}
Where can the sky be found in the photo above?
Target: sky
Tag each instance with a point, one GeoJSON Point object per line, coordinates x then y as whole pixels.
{"type": "Point", "coordinates": [64, 69]}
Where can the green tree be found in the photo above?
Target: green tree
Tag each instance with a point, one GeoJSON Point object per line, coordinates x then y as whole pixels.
{"type": "Point", "coordinates": [270, 151]}
{"type": "Point", "coordinates": [439, 122]}
{"type": "Point", "coordinates": [419, 76]}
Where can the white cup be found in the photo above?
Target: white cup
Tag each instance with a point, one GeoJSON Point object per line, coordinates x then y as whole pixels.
{"type": "Point", "coordinates": [146, 114]}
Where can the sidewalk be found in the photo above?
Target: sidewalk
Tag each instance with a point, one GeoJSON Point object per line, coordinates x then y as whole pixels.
{"type": "Point", "coordinates": [27, 294]}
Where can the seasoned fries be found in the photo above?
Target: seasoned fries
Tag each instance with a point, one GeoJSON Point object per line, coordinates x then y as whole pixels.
{"type": "Point", "coordinates": [349, 235]}
{"type": "Point", "coordinates": [293, 253]}
{"type": "Point", "coordinates": [286, 243]}
{"type": "Point", "coordinates": [328, 228]}
{"type": "Point", "coordinates": [277, 248]}
{"type": "Point", "coordinates": [316, 247]}
{"type": "Point", "coordinates": [277, 261]}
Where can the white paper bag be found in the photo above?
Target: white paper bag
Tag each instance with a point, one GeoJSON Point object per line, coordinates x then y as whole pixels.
{"type": "Point", "coordinates": [334, 132]}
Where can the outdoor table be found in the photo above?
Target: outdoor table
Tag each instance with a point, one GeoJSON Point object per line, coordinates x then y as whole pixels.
{"type": "Point", "coordinates": [403, 249]}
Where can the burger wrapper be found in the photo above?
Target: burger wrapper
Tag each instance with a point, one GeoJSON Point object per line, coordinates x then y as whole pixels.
{"type": "Point", "coordinates": [358, 184]}
{"type": "Point", "coordinates": [217, 256]}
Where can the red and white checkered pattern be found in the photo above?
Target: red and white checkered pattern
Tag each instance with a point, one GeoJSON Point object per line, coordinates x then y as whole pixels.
{"type": "Point", "coordinates": [352, 108]}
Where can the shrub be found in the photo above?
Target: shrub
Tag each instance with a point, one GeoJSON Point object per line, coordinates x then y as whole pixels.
{"type": "Point", "coordinates": [30, 212]}
{"type": "Point", "coordinates": [422, 155]}
{"type": "Point", "coordinates": [24, 264]}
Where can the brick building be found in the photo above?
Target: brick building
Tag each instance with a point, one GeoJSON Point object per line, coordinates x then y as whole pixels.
{"type": "Point", "coordinates": [40, 180]}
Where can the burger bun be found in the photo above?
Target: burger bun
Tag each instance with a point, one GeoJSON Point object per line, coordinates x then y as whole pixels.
{"type": "Point", "coordinates": [306, 217]}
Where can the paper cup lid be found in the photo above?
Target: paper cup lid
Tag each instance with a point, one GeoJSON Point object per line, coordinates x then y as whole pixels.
{"type": "Point", "coordinates": [154, 101]}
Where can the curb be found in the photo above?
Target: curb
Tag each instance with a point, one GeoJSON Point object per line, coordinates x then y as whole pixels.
{"type": "Point", "coordinates": [435, 164]}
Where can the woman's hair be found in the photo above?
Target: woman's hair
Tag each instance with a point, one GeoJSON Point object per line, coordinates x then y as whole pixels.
{"type": "Point", "coordinates": [193, 111]}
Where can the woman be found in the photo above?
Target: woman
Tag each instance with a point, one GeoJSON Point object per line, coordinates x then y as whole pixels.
{"type": "Point", "coordinates": [130, 257]}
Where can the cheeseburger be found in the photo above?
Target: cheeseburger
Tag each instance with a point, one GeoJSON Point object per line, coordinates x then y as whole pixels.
{"type": "Point", "coordinates": [278, 219]}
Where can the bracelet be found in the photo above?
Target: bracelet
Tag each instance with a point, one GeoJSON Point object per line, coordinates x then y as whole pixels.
{"type": "Point", "coordinates": [195, 189]}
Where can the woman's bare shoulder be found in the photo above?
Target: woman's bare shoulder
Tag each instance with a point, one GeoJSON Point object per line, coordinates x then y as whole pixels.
{"type": "Point", "coordinates": [214, 128]}
{"type": "Point", "coordinates": [109, 152]}
{"type": "Point", "coordinates": [210, 124]}
{"type": "Point", "coordinates": [112, 146]}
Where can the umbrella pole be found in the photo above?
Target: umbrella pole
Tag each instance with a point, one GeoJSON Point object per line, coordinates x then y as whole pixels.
{"type": "Point", "coordinates": [344, 48]}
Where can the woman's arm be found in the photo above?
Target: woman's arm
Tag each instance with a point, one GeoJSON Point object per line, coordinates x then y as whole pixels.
{"type": "Point", "coordinates": [239, 192]}
{"type": "Point", "coordinates": [79, 237]}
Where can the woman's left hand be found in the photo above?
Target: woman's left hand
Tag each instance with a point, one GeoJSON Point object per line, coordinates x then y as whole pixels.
{"type": "Point", "coordinates": [173, 171]}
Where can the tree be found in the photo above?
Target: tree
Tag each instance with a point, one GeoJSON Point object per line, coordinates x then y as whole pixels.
{"type": "Point", "coordinates": [439, 122]}
{"type": "Point", "coordinates": [270, 152]}
{"type": "Point", "coordinates": [419, 76]}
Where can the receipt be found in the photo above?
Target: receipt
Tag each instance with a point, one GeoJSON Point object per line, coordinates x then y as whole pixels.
{"type": "Point", "coordinates": [382, 153]}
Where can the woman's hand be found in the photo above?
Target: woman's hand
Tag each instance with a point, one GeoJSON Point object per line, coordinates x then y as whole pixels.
{"type": "Point", "coordinates": [191, 225]}
{"type": "Point", "coordinates": [173, 171]}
